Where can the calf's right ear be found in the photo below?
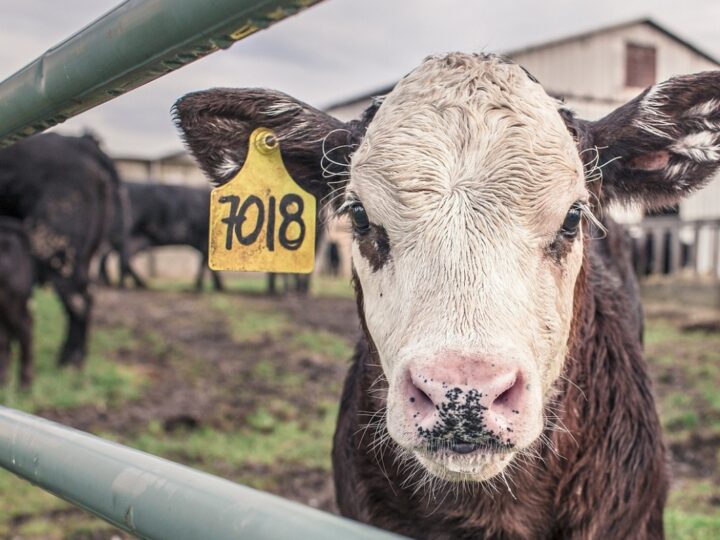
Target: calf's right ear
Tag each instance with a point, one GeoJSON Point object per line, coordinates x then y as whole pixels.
{"type": "Point", "coordinates": [663, 144]}
{"type": "Point", "coordinates": [216, 125]}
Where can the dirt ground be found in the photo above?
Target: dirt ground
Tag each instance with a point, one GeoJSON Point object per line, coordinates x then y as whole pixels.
{"type": "Point", "coordinates": [215, 393]}
{"type": "Point", "coordinates": [215, 364]}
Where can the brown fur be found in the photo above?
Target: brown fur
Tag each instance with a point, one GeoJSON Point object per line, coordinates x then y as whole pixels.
{"type": "Point", "coordinates": [607, 479]}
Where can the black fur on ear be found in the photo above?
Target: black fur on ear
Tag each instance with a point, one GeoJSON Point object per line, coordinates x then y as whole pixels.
{"type": "Point", "coordinates": [216, 125]}
{"type": "Point", "coordinates": [660, 146]}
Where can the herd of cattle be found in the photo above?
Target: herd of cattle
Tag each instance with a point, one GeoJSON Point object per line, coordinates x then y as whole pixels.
{"type": "Point", "coordinates": [62, 203]}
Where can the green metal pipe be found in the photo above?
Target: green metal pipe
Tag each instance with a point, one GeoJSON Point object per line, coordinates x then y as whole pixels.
{"type": "Point", "coordinates": [136, 42]}
{"type": "Point", "coordinates": [154, 498]}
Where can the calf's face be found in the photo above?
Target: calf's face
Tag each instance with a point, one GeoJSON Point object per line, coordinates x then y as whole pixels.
{"type": "Point", "coordinates": [467, 192]}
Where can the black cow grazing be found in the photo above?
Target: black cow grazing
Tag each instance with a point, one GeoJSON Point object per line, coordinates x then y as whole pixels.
{"type": "Point", "coordinates": [62, 189]}
{"type": "Point", "coordinates": [499, 389]}
{"type": "Point", "coordinates": [16, 283]}
{"type": "Point", "coordinates": [163, 215]}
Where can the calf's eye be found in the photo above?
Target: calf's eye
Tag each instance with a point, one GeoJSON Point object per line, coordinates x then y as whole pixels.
{"type": "Point", "coordinates": [359, 217]}
{"type": "Point", "coordinates": [572, 221]}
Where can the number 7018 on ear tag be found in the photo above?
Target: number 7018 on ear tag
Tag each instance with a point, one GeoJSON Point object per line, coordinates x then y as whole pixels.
{"type": "Point", "coordinates": [262, 220]}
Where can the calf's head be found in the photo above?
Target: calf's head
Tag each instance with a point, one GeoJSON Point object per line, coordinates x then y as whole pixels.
{"type": "Point", "coordinates": [471, 194]}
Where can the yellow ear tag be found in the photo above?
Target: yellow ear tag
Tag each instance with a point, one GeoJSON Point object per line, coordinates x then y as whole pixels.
{"type": "Point", "coordinates": [262, 220]}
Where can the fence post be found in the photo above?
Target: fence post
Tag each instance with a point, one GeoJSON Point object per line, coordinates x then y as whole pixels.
{"type": "Point", "coordinates": [695, 249]}
{"type": "Point", "coordinates": [659, 248]}
{"type": "Point", "coordinates": [715, 251]}
{"type": "Point", "coordinates": [675, 250]}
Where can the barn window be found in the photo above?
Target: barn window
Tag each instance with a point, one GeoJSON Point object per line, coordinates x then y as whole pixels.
{"type": "Point", "coordinates": [639, 65]}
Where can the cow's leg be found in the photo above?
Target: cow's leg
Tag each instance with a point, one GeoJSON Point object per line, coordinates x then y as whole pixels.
{"type": "Point", "coordinates": [217, 281]}
{"type": "Point", "coordinates": [303, 284]}
{"type": "Point", "coordinates": [77, 301]}
{"type": "Point", "coordinates": [139, 282]}
{"type": "Point", "coordinates": [271, 283]}
{"type": "Point", "coordinates": [4, 353]}
{"type": "Point", "coordinates": [124, 255]}
{"type": "Point", "coordinates": [200, 276]}
{"type": "Point", "coordinates": [24, 336]}
{"type": "Point", "coordinates": [103, 275]}
{"type": "Point", "coordinates": [133, 246]}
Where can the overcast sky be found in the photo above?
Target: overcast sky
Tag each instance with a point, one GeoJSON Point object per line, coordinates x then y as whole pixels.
{"type": "Point", "coordinates": [335, 50]}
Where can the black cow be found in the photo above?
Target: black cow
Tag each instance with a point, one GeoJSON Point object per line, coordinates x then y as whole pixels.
{"type": "Point", "coordinates": [162, 215]}
{"type": "Point", "coordinates": [61, 188]}
{"type": "Point", "coordinates": [16, 282]}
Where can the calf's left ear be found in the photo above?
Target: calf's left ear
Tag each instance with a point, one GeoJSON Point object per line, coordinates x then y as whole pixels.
{"type": "Point", "coordinates": [661, 145]}
{"type": "Point", "coordinates": [216, 125]}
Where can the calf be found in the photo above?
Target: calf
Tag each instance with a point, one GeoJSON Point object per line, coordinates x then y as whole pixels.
{"type": "Point", "coordinates": [163, 215]}
{"type": "Point", "coordinates": [499, 389]}
{"type": "Point", "coordinates": [61, 188]}
{"type": "Point", "coordinates": [16, 282]}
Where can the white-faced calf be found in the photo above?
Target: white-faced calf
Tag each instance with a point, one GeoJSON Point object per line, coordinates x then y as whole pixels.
{"type": "Point", "coordinates": [499, 389]}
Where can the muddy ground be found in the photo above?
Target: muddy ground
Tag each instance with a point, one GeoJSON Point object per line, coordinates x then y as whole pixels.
{"type": "Point", "coordinates": [215, 364]}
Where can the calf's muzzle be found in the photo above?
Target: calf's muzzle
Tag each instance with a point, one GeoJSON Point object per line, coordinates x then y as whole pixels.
{"type": "Point", "coordinates": [465, 403]}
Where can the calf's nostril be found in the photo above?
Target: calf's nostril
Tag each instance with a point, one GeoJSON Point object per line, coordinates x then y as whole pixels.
{"type": "Point", "coordinates": [508, 399]}
{"type": "Point", "coordinates": [420, 397]}
{"type": "Point", "coordinates": [505, 396]}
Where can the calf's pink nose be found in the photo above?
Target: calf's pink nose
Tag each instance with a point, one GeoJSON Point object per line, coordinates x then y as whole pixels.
{"type": "Point", "coordinates": [466, 398]}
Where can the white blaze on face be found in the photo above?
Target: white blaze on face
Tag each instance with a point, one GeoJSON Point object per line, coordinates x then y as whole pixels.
{"type": "Point", "coordinates": [470, 170]}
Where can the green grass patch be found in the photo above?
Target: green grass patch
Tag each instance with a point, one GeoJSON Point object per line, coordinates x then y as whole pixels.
{"type": "Point", "coordinates": [247, 324]}
{"type": "Point", "coordinates": [255, 284]}
{"type": "Point", "coordinates": [678, 412]}
{"type": "Point", "coordinates": [266, 441]}
{"type": "Point", "coordinates": [334, 287]}
{"type": "Point", "coordinates": [680, 525]}
{"type": "Point", "coordinates": [101, 383]}
{"type": "Point", "coordinates": [267, 371]}
{"type": "Point", "coordinates": [322, 342]}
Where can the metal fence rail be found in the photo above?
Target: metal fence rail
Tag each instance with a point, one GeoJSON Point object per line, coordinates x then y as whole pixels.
{"type": "Point", "coordinates": [154, 498]}
{"type": "Point", "coordinates": [136, 42]}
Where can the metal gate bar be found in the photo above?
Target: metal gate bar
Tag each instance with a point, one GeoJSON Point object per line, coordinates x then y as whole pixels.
{"type": "Point", "coordinates": [154, 498]}
{"type": "Point", "coordinates": [135, 43]}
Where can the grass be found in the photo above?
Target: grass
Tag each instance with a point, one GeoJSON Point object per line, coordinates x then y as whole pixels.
{"type": "Point", "coordinates": [278, 433]}
{"type": "Point", "coordinates": [274, 437]}
{"type": "Point", "coordinates": [249, 325]}
{"type": "Point", "coordinates": [692, 512]}
{"type": "Point", "coordinates": [256, 285]}
{"type": "Point", "coordinates": [256, 454]}
{"type": "Point", "coordinates": [102, 383]}
{"type": "Point", "coordinates": [323, 343]}
{"type": "Point", "coordinates": [686, 366]}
